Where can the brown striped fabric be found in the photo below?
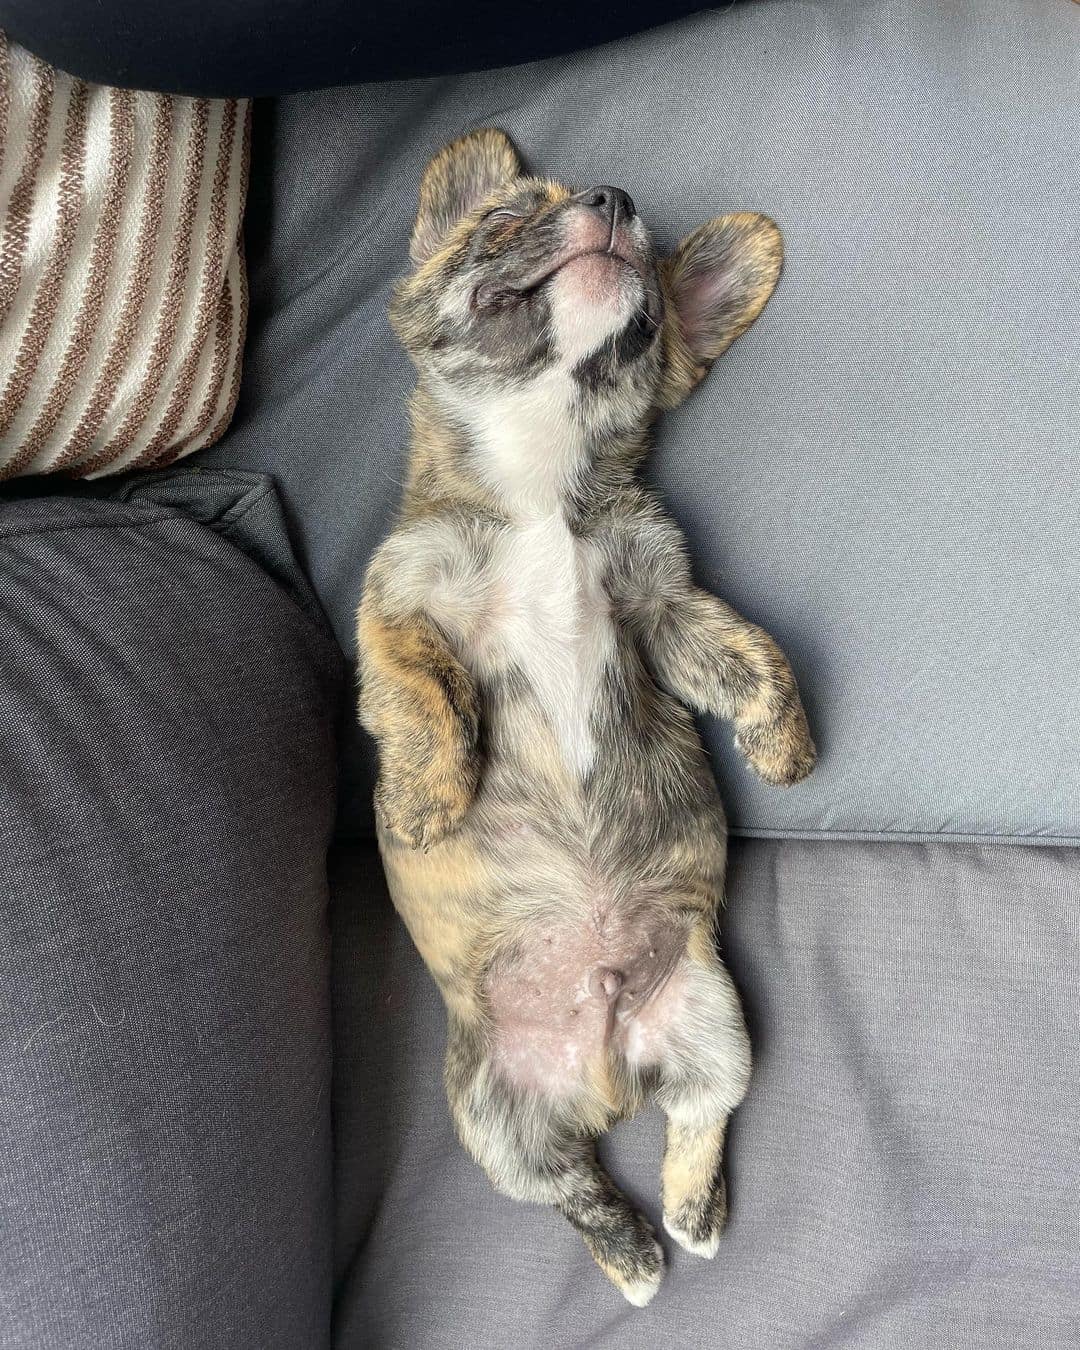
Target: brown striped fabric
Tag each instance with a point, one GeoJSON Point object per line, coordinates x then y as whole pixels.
{"type": "Point", "coordinates": [123, 299]}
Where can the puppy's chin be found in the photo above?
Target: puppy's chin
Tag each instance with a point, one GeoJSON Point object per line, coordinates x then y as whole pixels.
{"type": "Point", "coordinates": [597, 278]}
{"type": "Point", "coordinates": [592, 299]}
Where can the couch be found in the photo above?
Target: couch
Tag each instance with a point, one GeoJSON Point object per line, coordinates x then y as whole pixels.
{"type": "Point", "coordinates": [220, 1091]}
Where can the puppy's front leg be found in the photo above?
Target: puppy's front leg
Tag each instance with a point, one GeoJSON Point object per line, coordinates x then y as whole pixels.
{"type": "Point", "coordinates": [420, 704]}
{"type": "Point", "coordinates": [714, 660]}
{"type": "Point", "coordinates": [718, 662]}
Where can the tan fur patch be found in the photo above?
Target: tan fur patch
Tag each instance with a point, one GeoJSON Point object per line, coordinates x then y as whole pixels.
{"type": "Point", "coordinates": [419, 701]}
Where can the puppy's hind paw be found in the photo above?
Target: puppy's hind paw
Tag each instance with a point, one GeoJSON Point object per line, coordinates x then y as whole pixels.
{"type": "Point", "coordinates": [706, 1246]}
{"type": "Point", "coordinates": [641, 1290]}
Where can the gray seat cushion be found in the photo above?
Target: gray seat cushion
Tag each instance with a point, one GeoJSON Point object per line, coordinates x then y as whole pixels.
{"type": "Point", "coordinates": [167, 783]}
{"type": "Point", "coordinates": [903, 1173]}
{"type": "Point", "coordinates": [881, 472]}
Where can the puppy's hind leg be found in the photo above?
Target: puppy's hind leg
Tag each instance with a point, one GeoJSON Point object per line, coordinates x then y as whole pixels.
{"type": "Point", "coordinates": [620, 1240]}
{"type": "Point", "coordinates": [703, 1077]}
{"type": "Point", "coordinates": [533, 1149]}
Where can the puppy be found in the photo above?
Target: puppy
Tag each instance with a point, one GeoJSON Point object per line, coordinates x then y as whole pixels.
{"type": "Point", "coordinates": [530, 643]}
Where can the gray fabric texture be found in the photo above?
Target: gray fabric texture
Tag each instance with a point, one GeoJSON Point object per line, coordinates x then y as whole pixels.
{"type": "Point", "coordinates": [904, 1171]}
{"type": "Point", "coordinates": [882, 472]}
{"type": "Point", "coordinates": [167, 786]}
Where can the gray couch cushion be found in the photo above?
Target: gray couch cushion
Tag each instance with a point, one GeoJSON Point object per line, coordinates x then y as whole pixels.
{"type": "Point", "coordinates": [881, 472]}
{"type": "Point", "coordinates": [904, 1172]}
{"type": "Point", "coordinates": [167, 785]}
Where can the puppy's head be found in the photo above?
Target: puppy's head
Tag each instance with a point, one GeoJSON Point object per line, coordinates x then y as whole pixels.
{"type": "Point", "coordinates": [522, 284]}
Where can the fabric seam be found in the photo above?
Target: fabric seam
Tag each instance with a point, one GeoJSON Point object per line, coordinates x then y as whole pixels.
{"type": "Point", "coordinates": [93, 525]}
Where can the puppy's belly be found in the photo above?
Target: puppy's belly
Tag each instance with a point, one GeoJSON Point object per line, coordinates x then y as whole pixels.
{"type": "Point", "coordinates": [568, 996]}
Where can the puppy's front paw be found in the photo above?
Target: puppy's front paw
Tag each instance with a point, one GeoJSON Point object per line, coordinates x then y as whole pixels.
{"type": "Point", "coordinates": [781, 752]}
{"type": "Point", "coordinates": [423, 809]}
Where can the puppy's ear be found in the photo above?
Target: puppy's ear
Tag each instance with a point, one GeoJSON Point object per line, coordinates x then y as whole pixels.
{"type": "Point", "coordinates": [717, 282]}
{"type": "Point", "coordinates": [456, 181]}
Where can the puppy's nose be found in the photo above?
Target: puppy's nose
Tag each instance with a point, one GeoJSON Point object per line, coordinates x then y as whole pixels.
{"type": "Point", "coordinates": [612, 201]}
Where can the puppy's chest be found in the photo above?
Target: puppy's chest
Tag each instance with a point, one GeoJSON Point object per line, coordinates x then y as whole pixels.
{"type": "Point", "coordinates": [544, 614]}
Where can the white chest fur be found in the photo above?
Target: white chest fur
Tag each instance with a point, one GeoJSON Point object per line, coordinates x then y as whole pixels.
{"type": "Point", "coordinates": [550, 620]}
{"type": "Point", "coordinates": [544, 610]}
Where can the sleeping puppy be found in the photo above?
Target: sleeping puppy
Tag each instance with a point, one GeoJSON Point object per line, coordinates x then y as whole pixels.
{"type": "Point", "coordinates": [531, 642]}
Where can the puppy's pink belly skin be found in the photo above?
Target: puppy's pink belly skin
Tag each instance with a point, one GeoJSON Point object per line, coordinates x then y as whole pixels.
{"type": "Point", "coordinates": [641, 1033]}
{"type": "Point", "coordinates": [568, 995]}
{"type": "Point", "coordinates": [547, 1054]}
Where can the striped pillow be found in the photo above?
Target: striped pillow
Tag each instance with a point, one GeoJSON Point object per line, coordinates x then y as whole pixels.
{"type": "Point", "coordinates": [123, 298]}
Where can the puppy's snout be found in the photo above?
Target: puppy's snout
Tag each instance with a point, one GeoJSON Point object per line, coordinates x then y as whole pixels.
{"type": "Point", "coordinates": [612, 202]}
